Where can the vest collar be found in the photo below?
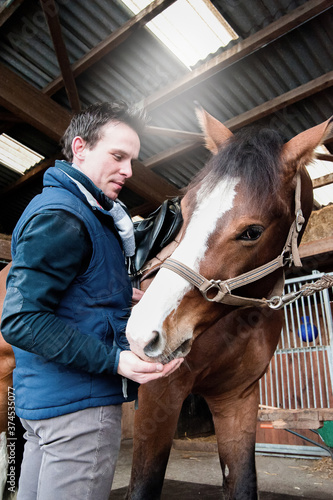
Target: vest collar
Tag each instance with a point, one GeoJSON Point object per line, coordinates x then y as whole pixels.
{"type": "Point", "coordinates": [76, 174]}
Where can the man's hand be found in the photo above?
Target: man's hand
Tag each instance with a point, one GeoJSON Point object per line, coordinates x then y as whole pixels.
{"type": "Point", "coordinates": [136, 295]}
{"type": "Point", "coordinates": [134, 368]}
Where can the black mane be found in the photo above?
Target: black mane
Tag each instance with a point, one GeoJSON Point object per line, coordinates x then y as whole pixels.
{"type": "Point", "coordinates": [253, 155]}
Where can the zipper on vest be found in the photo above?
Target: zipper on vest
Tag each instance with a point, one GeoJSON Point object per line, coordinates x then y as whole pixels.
{"type": "Point", "coordinates": [124, 387]}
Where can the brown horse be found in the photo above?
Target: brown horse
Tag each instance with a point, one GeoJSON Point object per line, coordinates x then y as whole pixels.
{"type": "Point", "coordinates": [7, 365]}
{"type": "Point", "coordinates": [7, 361]}
{"type": "Point", "coordinates": [239, 216]}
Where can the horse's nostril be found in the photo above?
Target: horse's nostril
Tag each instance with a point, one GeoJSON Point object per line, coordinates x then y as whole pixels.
{"type": "Point", "coordinates": [155, 346]}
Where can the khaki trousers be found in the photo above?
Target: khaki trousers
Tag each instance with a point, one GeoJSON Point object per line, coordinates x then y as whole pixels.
{"type": "Point", "coordinates": [71, 457]}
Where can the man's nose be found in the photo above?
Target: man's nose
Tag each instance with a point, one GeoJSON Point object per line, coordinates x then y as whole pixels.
{"type": "Point", "coordinates": [127, 169]}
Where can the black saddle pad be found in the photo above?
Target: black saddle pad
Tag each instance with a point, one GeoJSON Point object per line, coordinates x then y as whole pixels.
{"type": "Point", "coordinates": [156, 231]}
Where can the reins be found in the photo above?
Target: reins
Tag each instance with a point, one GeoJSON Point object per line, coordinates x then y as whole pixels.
{"type": "Point", "coordinates": [221, 291]}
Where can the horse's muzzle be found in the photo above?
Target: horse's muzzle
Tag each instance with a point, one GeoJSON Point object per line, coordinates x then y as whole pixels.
{"type": "Point", "coordinates": [158, 351]}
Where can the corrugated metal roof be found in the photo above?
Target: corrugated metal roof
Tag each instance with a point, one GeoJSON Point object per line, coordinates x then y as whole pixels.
{"type": "Point", "coordinates": [141, 65]}
{"type": "Point", "coordinates": [7, 176]}
{"type": "Point", "coordinates": [247, 17]}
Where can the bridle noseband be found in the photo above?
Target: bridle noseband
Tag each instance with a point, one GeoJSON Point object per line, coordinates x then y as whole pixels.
{"type": "Point", "coordinates": [221, 291]}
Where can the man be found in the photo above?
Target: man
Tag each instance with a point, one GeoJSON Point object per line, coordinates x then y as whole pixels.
{"type": "Point", "coordinates": [67, 302]}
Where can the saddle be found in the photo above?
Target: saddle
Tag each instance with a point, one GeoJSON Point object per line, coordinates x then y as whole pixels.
{"type": "Point", "coordinates": [156, 231]}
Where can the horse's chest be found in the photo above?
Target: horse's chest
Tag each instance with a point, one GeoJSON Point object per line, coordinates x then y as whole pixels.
{"type": "Point", "coordinates": [231, 355]}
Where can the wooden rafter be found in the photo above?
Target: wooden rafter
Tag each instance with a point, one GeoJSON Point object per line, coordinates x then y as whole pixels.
{"type": "Point", "coordinates": [149, 185]}
{"type": "Point", "coordinates": [140, 183]}
{"type": "Point", "coordinates": [6, 116]}
{"type": "Point", "coordinates": [324, 157]}
{"type": "Point", "coordinates": [144, 182]}
{"type": "Point", "coordinates": [111, 42]}
{"type": "Point", "coordinates": [287, 99]}
{"type": "Point", "coordinates": [5, 251]}
{"type": "Point", "coordinates": [52, 19]}
{"type": "Point", "coordinates": [242, 49]}
{"type": "Point", "coordinates": [178, 134]}
{"type": "Point", "coordinates": [29, 104]}
{"type": "Point", "coordinates": [143, 210]}
{"type": "Point", "coordinates": [255, 114]}
{"type": "Point", "coordinates": [31, 175]}
{"type": "Point", "coordinates": [107, 45]}
{"type": "Point", "coordinates": [311, 248]}
{"type": "Point", "coordinates": [324, 180]}
{"type": "Point", "coordinates": [171, 153]}
{"type": "Point", "coordinates": [8, 9]}
{"type": "Point", "coordinates": [46, 115]}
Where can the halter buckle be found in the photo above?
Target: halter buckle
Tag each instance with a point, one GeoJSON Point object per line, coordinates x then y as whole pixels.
{"type": "Point", "coordinates": [287, 257]}
{"type": "Point", "coordinates": [214, 284]}
{"type": "Point", "coordinates": [299, 220]}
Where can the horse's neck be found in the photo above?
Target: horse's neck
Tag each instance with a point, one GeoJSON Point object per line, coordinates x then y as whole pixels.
{"type": "Point", "coordinates": [3, 278]}
{"type": "Point", "coordinates": [153, 265]}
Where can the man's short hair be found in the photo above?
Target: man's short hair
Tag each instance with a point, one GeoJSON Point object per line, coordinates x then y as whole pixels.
{"type": "Point", "coordinates": [88, 123]}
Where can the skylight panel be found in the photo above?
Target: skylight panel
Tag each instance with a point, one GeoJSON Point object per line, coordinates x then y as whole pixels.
{"type": "Point", "coordinates": [191, 29]}
{"type": "Point", "coordinates": [16, 156]}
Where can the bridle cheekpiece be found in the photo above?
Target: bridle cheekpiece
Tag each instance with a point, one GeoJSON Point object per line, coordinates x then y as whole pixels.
{"type": "Point", "coordinates": [222, 291]}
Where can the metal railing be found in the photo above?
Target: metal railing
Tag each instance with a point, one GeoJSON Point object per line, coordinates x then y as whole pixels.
{"type": "Point", "coordinates": [300, 374]}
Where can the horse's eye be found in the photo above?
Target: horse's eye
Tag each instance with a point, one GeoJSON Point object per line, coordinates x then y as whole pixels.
{"type": "Point", "coordinates": [252, 233]}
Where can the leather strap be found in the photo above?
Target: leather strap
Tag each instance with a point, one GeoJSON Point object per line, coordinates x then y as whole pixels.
{"type": "Point", "coordinates": [221, 291]}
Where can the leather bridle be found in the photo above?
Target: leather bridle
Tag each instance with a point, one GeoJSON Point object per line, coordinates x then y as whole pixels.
{"type": "Point", "coordinates": [222, 291]}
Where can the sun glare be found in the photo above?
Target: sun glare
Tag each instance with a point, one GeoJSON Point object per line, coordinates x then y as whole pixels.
{"type": "Point", "coordinates": [191, 29]}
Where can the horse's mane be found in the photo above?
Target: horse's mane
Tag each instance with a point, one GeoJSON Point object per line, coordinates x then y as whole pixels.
{"type": "Point", "coordinates": [253, 155]}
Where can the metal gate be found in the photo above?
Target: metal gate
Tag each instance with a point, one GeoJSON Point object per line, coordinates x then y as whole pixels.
{"type": "Point", "coordinates": [300, 374]}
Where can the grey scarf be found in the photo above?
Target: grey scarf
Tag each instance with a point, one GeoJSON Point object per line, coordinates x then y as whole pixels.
{"type": "Point", "coordinates": [121, 219]}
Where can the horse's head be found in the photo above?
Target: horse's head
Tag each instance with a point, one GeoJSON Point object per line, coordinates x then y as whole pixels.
{"type": "Point", "coordinates": [237, 215]}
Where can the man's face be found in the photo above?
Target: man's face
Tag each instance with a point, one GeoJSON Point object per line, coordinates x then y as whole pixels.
{"type": "Point", "coordinates": [109, 163]}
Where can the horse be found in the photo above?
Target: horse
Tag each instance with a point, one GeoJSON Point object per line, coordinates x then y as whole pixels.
{"type": "Point", "coordinates": [7, 365]}
{"type": "Point", "coordinates": [243, 217]}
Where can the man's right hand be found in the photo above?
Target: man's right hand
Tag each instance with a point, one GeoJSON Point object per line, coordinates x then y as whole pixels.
{"type": "Point", "coordinates": [134, 368]}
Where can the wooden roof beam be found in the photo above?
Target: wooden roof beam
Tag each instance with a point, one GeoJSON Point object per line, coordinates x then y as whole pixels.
{"type": "Point", "coordinates": [30, 105]}
{"type": "Point", "coordinates": [324, 157]}
{"type": "Point", "coordinates": [111, 42]}
{"type": "Point", "coordinates": [31, 175]}
{"type": "Point", "coordinates": [178, 134]}
{"type": "Point", "coordinates": [324, 180]}
{"type": "Point", "coordinates": [143, 210]}
{"type": "Point", "coordinates": [263, 110]}
{"type": "Point", "coordinates": [8, 9]}
{"type": "Point", "coordinates": [171, 153]}
{"type": "Point", "coordinates": [40, 111]}
{"type": "Point", "coordinates": [145, 183]}
{"type": "Point", "coordinates": [52, 19]}
{"type": "Point", "coordinates": [5, 250]}
{"type": "Point", "coordinates": [242, 49]}
{"type": "Point", "coordinates": [149, 185]}
{"type": "Point", "coordinates": [6, 116]}
{"type": "Point", "coordinates": [277, 103]}
{"type": "Point", "coordinates": [7, 121]}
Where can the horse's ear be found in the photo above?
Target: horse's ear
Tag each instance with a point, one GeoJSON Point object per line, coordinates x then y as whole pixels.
{"type": "Point", "coordinates": [214, 131]}
{"type": "Point", "coordinates": [299, 150]}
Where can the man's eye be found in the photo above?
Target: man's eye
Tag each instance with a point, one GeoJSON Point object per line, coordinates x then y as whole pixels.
{"type": "Point", "coordinates": [117, 157]}
{"type": "Point", "coordinates": [251, 233]}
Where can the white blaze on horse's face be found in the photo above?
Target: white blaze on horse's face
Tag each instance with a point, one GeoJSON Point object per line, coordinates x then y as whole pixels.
{"type": "Point", "coordinates": [145, 326]}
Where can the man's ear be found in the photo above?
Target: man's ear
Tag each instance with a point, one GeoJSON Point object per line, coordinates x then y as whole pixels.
{"type": "Point", "coordinates": [79, 149]}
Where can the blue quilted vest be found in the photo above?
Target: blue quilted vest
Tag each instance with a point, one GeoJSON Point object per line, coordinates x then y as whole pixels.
{"type": "Point", "coordinates": [97, 303]}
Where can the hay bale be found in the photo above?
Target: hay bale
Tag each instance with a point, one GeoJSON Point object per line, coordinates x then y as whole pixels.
{"type": "Point", "coordinates": [319, 225]}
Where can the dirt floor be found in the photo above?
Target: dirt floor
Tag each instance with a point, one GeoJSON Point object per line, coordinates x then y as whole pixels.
{"type": "Point", "coordinates": [196, 474]}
